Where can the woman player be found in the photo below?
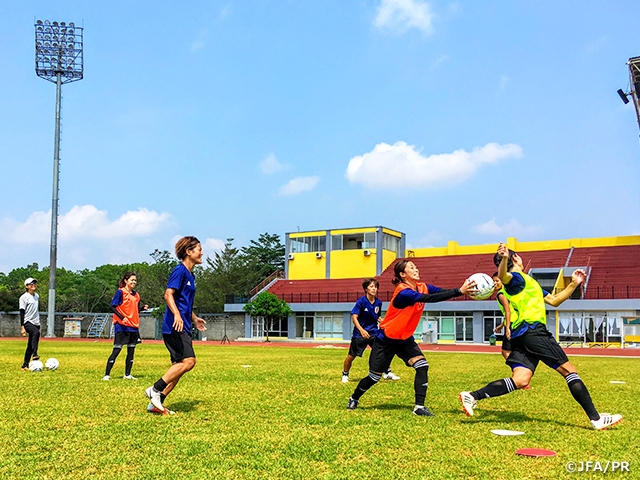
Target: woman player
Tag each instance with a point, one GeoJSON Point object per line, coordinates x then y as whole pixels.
{"type": "Point", "coordinates": [178, 321]}
{"type": "Point", "coordinates": [507, 312]}
{"type": "Point", "coordinates": [365, 315]}
{"type": "Point", "coordinates": [395, 336]}
{"type": "Point", "coordinates": [126, 323]}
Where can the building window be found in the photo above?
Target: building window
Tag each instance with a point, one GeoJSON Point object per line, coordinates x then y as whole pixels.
{"type": "Point", "coordinates": [328, 325]}
{"type": "Point", "coordinates": [309, 244]}
{"type": "Point", "coordinates": [389, 242]}
{"type": "Point", "coordinates": [336, 242]}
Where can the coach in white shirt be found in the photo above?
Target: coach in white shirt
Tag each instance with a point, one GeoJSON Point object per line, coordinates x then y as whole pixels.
{"type": "Point", "coordinates": [30, 321]}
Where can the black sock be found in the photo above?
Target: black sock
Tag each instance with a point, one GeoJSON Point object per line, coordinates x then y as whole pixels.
{"type": "Point", "coordinates": [495, 389]}
{"type": "Point", "coordinates": [365, 384]}
{"type": "Point", "coordinates": [579, 391]}
{"type": "Point", "coordinates": [421, 382]}
{"type": "Point", "coordinates": [129, 361]}
{"type": "Point", "coordinates": [112, 359]}
{"type": "Point", "coordinates": [162, 397]}
{"type": "Point", "coordinates": [160, 385]}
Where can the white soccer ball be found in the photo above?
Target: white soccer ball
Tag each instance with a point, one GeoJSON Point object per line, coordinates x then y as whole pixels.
{"type": "Point", "coordinates": [484, 286]}
{"type": "Point", "coordinates": [36, 366]}
{"type": "Point", "coordinates": [52, 364]}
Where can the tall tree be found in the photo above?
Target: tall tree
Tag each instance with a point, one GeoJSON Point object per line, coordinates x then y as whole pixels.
{"type": "Point", "coordinates": [268, 307]}
{"type": "Point", "coordinates": [267, 253]}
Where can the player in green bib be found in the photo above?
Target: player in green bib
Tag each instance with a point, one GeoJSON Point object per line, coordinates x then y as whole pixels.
{"type": "Point", "coordinates": [531, 342]}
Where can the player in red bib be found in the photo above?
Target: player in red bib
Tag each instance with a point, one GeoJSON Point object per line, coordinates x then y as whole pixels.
{"type": "Point", "coordinates": [395, 336]}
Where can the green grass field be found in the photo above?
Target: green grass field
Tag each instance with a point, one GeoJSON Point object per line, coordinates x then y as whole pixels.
{"type": "Point", "coordinates": [285, 417]}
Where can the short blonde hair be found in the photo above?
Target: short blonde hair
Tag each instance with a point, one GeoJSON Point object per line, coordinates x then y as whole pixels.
{"type": "Point", "coordinates": [185, 244]}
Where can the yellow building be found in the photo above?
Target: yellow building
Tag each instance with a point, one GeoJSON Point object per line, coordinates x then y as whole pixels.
{"type": "Point", "coordinates": [342, 253]}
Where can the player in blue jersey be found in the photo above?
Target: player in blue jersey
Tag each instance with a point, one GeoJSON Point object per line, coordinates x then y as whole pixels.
{"type": "Point", "coordinates": [178, 321]}
{"type": "Point", "coordinates": [365, 316]}
{"type": "Point", "coordinates": [531, 342]}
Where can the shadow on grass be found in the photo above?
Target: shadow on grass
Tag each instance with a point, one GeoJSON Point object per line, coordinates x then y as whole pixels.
{"type": "Point", "coordinates": [492, 416]}
{"type": "Point", "coordinates": [184, 405]}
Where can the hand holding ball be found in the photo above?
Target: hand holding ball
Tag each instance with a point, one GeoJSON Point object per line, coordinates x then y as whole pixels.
{"type": "Point", "coordinates": [484, 286]}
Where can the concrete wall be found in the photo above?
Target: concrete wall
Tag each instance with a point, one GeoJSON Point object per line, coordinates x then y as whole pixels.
{"type": "Point", "coordinates": [150, 328]}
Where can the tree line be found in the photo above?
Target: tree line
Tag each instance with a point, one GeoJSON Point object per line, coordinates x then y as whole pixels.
{"type": "Point", "coordinates": [232, 271]}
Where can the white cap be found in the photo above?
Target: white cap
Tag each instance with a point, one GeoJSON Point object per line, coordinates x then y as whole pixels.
{"type": "Point", "coordinates": [30, 280]}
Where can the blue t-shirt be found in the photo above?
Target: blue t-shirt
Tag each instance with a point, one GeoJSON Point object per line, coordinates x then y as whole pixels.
{"type": "Point", "coordinates": [183, 283]}
{"type": "Point", "coordinates": [368, 314]}
{"type": "Point", "coordinates": [515, 286]}
{"type": "Point", "coordinates": [118, 327]}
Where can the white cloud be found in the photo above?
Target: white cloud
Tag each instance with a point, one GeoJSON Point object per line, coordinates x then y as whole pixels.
{"type": "Point", "coordinates": [298, 185]}
{"type": "Point", "coordinates": [201, 41]}
{"type": "Point", "coordinates": [504, 81]}
{"type": "Point", "coordinates": [401, 165]}
{"type": "Point", "coordinates": [85, 222]}
{"type": "Point", "coordinates": [512, 228]}
{"type": "Point", "coordinates": [401, 15]}
{"type": "Point", "coordinates": [271, 165]}
{"type": "Point", "coordinates": [212, 245]}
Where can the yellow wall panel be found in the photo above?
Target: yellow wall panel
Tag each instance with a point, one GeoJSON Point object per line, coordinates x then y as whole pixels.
{"type": "Point", "coordinates": [347, 231]}
{"type": "Point", "coordinates": [453, 248]}
{"type": "Point", "coordinates": [305, 266]}
{"type": "Point", "coordinates": [319, 233]}
{"type": "Point", "coordinates": [387, 258]}
{"type": "Point", "coordinates": [352, 264]}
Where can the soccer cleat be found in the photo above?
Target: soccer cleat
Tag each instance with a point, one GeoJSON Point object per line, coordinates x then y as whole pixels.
{"type": "Point", "coordinates": [165, 411]}
{"type": "Point", "coordinates": [35, 357]}
{"type": "Point", "coordinates": [391, 376]}
{"type": "Point", "coordinates": [106, 378]}
{"type": "Point", "coordinates": [422, 411]}
{"type": "Point", "coordinates": [352, 405]}
{"type": "Point", "coordinates": [154, 397]}
{"type": "Point", "coordinates": [129, 377]}
{"type": "Point", "coordinates": [25, 369]}
{"type": "Point", "coordinates": [468, 403]}
{"type": "Point", "coordinates": [345, 378]}
{"type": "Point", "coordinates": [605, 421]}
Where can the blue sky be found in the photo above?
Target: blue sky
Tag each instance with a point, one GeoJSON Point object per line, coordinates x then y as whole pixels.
{"type": "Point", "coordinates": [466, 121]}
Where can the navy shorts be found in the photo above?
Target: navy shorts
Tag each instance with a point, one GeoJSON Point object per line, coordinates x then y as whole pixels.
{"type": "Point", "coordinates": [180, 345]}
{"type": "Point", "coordinates": [359, 345]}
{"type": "Point", "coordinates": [383, 352]}
{"type": "Point", "coordinates": [537, 345]}
{"type": "Point", "coordinates": [131, 339]}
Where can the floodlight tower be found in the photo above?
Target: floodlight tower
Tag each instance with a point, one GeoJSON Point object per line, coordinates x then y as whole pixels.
{"type": "Point", "coordinates": [59, 60]}
{"type": "Point", "coordinates": [634, 74]}
{"type": "Point", "coordinates": [634, 81]}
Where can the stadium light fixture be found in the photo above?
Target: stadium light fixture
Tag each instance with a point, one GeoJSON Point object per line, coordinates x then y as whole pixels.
{"type": "Point", "coordinates": [634, 80]}
{"type": "Point", "coordinates": [59, 59]}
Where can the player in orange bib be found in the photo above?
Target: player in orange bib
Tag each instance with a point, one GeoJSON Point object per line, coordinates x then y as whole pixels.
{"type": "Point", "coordinates": [395, 335]}
{"type": "Point", "coordinates": [126, 323]}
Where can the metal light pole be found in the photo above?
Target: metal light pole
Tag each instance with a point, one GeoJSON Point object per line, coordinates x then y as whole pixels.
{"type": "Point", "coordinates": [59, 60]}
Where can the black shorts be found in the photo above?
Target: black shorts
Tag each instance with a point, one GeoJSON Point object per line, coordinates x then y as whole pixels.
{"type": "Point", "coordinates": [359, 345]}
{"type": "Point", "coordinates": [180, 346]}
{"type": "Point", "coordinates": [537, 345]}
{"type": "Point", "coordinates": [382, 353]}
{"type": "Point", "coordinates": [127, 338]}
{"type": "Point", "coordinates": [506, 344]}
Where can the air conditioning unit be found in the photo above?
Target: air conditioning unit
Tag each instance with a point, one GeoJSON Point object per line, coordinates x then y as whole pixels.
{"type": "Point", "coordinates": [290, 256]}
{"type": "Point", "coordinates": [367, 253]}
{"type": "Point", "coordinates": [318, 255]}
